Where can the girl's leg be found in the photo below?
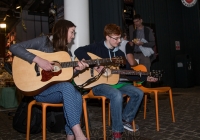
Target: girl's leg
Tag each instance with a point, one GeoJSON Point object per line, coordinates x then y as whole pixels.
{"type": "Point", "coordinates": [72, 104]}
{"type": "Point", "coordinates": [77, 132]}
{"type": "Point", "coordinates": [70, 137]}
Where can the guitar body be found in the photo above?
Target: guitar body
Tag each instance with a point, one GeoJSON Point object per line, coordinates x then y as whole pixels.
{"type": "Point", "coordinates": [112, 79]}
{"type": "Point", "coordinates": [26, 78]}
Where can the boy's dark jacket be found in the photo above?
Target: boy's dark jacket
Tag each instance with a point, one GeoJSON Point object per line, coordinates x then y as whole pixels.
{"type": "Point", "coordinates": [100, 50]}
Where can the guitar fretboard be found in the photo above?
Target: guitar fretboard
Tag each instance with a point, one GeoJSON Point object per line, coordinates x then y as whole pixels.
{"type": "Point", "coordinates": [128, 72]}
{"type": "Point", "coordinates": [89, 62]}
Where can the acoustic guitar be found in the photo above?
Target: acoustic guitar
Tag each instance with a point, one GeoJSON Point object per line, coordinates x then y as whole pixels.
{"type": "Point", "coordinates": [110, 76]}
{"type": "Point", "coordinates": [31, 79]}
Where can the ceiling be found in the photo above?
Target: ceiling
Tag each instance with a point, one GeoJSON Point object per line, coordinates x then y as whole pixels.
{"type": "Point", "coordinates": [10, 15]}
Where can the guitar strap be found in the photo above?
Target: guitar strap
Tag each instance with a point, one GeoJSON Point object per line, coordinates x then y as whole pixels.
{"type": "Point", "coordinates": [93, 79]}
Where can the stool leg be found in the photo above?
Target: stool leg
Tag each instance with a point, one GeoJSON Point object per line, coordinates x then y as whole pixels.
{"type": "Point", "coordinates": [145, 105]}
{"type": "Point", "coordinates": [104, 118]}
{"type": "Point", "coordinates": [156, 105]}
{"type": "Point", "coordinates": [28, 127]}
{"type": "Point", "coordinates": [86, 118]}
{"type": "Point", "coordinates": [109, 118]}
{"type": "Point", "coordinates": [133, 125]}
{"type": "Point", "coordinates": [172, 106]}
{"type": "Point", "coordinates": [44, 107]}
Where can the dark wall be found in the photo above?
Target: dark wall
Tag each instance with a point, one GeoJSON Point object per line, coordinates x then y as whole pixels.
{"type": "Point", "coordinates": [103, 12]}
{"type": "Point", "coordinates": [191, 37]}
{"type": "Point", "coordinates": [173, 22]}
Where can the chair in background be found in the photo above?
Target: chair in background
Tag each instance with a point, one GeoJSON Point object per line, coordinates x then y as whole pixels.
{"type": "Point", "coordinates": [44, 107]}
{"type": "Point", "coordinates": [155, 91]}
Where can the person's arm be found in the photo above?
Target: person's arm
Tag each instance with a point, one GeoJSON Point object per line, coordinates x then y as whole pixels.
{"type": "Point", "coordinates": [131, 29]}
{"type": "Point", "coordinates": [129, 55]}
{"type": "Point", "coordinates": [19, 49]}
{"type": "Point", "coordinates": [136, 77]}
{"type": "Point", "coordinates": [81, 52]}
{"type": "Point", "coordinates": [39, 43]}
{"type": "Point", "coordinates": [151, 42]}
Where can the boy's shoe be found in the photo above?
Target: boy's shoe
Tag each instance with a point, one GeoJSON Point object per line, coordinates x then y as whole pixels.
{"type": "Point", "coordinates": [129, 127]}
{"type": "Point", "coordinates": [117, 136]}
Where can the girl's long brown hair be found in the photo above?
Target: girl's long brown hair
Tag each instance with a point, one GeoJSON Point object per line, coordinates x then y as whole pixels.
{"type": "Point", "coordinates": [60, 34]}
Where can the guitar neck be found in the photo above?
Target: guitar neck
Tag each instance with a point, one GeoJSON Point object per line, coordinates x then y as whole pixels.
{"type": "Point", "coordinates": [128, 72]}
{"type": "Point", "coordinates": [89, 62]}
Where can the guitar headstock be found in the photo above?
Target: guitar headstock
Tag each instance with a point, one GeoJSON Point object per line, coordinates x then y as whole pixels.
{"type": "Point", "coordinates": [118, 61]}
{"type": "Point", "coordinates": [157, 74]}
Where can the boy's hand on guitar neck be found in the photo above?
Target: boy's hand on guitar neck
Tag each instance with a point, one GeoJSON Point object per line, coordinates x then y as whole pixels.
{"type": "Point", "coordinates": [152, 79]}
{"type": "Point", "coordinates": [99, 68]}
{"type": "Point", "coordinates": [44, 64]}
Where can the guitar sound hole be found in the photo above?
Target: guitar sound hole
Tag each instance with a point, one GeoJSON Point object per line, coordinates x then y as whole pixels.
{"type": "Point", "coordinates": [56, 69]}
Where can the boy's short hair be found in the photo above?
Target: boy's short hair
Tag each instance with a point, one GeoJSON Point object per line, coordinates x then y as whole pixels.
{"type": "Point", "coordinates": [137, 16]}
{"type": "Point", "coordinates": [110, 29]}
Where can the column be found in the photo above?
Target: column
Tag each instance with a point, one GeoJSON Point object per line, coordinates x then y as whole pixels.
{"type": "Point", "coordinates": [77, 11]}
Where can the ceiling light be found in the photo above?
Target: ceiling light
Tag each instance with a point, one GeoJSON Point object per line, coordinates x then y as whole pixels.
{"type": "Point", "coordinates": [17, 7]}
{"type": "Point", "coordinates": [52, 11]}
{"type": "Point", "coordinates": [2, 25]}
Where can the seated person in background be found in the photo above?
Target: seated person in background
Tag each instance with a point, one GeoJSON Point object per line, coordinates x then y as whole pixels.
{"type": "Point", "coordinates": [64, 92]}
{"type": "Point", "coordinates": [127, 48]}
{"type": "Point", "coordinates": [108, 49]}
